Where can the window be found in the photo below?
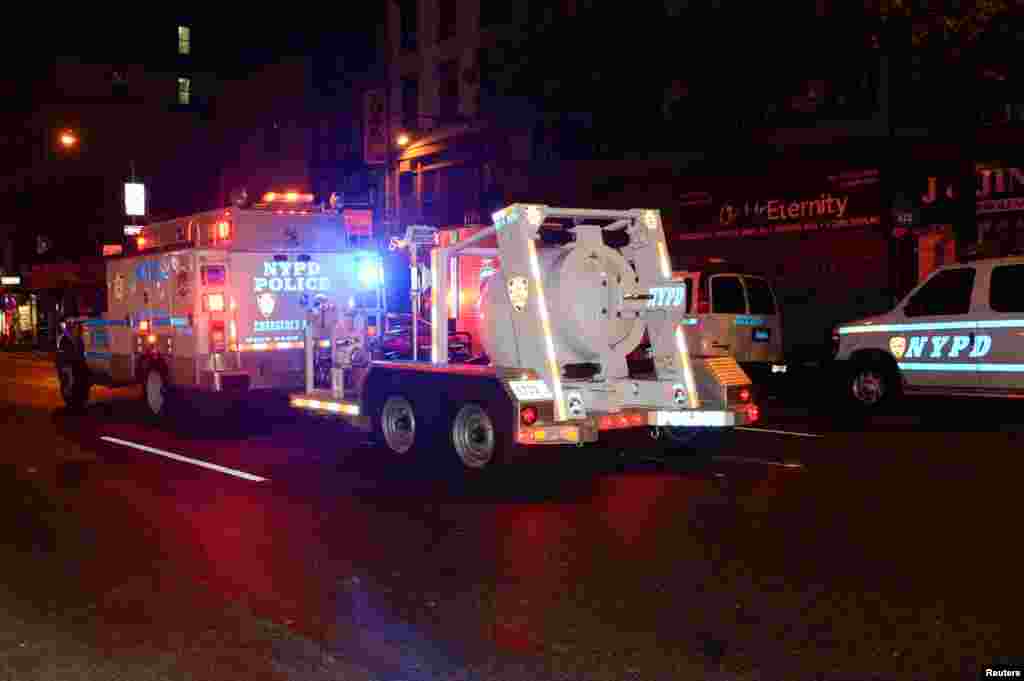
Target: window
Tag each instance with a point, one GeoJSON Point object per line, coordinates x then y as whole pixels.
{"type": "Point", "coordinates": [760, 295]}
{"type": "Point", "coordinates": [184, 40]}
{"type": "Point", "coordinates": [946, 293]}
{"type": "Point", "coordinates": [408, 20]}
{"type": "Point", "coordinates": [1007, 284]}
{"type": "Point", "coordinates": [410, 102]}
{"type": "Point", "coordinates": [448, 76]}
{"type": "Point", "coordinates": [727, 295]}
{"type": "Point", "coordinates": [184, 91]}
{"type": "Point", "coordinates": [447, 18]}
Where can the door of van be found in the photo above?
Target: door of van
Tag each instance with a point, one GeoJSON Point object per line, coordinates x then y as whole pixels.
{"type": "Point", "coordinates": [728, 299]}
{"type": "Point", "coordinates": [998, 347]}
{"type": "Point", "coordinates": [759, 333]}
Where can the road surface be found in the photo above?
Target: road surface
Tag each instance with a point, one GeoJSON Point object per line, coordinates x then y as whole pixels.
{"type": "Point", "coordinates": [271, 545]}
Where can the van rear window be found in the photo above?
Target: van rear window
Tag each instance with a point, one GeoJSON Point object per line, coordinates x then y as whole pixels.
{"type": "Point", "coordinates": [727, 295]}
{"type": "Point", "coordinates": [760, 296]}
{"type": "Point", "coordinates": [214, 275]}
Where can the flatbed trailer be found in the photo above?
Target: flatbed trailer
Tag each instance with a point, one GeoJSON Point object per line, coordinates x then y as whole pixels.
{"type": "Point", "coordinates": [562, 315]}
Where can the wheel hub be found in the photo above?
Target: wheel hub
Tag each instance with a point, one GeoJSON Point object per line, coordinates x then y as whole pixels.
{"type": "Point", "coordinates": [474, 436]}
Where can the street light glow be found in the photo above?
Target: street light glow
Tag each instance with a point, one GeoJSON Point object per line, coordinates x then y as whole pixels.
{"type": "Point", "coordinates": [68, 139]}
{"type": "Point", "coordinates": [402, 140]}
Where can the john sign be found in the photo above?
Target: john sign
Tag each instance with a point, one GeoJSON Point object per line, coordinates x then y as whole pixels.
{"type": "Point", "coordinates": [291, 276]}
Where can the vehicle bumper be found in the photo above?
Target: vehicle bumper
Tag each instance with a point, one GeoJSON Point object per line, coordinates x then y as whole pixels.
{"type": "Point", "coordinates": [593, 428]}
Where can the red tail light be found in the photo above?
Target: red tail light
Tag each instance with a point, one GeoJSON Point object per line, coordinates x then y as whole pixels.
{"type": "Point", "coordinates": [217, 342]}
{"type": "Point", "coordinates": [223, 230]}
{"type": "Point", "coordinates": [528, 415]}
{"type": "Point", "coordinates": [753, 413]}
{"type": "Point", "coordinates": [744, 395]}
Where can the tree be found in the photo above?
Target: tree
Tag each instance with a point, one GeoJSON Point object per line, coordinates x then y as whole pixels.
{"type": "Point", "coordinates": [954, 54]}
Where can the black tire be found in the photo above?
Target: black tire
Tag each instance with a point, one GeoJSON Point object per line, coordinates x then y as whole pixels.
{"type": "Point", "coordinates": [478, 437]}
{"type": "Point", "coordinates": [871, 385]}
{"type": "Point", "coordinates": [403, 427]}
{"type": "Point", "coordinates": [158, 396]}
{"type": "Point", "coordinates": [73, 376]}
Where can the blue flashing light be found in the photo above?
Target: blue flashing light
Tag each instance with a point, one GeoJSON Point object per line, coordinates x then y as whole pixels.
{"type": "Point", "coordinates": [368, 272]}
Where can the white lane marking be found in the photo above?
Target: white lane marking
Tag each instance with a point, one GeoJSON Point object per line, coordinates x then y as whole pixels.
{"type": "Point", "coordinates": [185, 459]}
{"type": "Point", "coordinates": [777, 432]}
{"type": "Point", "coordinates": [763, 462]}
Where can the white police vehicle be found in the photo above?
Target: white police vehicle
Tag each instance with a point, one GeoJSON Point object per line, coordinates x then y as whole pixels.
{"type": "Point", "coordinates": [959, 333]}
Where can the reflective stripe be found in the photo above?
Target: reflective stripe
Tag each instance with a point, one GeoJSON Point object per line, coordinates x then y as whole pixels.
{"type": "Point", "coordinates": [933, 326]}
{"type": "Point", "coordinates": [950, 366]}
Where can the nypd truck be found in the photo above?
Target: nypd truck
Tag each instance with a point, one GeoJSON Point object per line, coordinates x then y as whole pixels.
{"type": "Point", "coordinates": [959, 333]}
{"type": "Point", "coordinates": [217, 302]}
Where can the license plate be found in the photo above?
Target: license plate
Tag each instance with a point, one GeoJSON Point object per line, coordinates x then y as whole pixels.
{"type": "Point", "coordinates": [531, 391]}
{"type": "Point", "coordinates": [693, 418]}
{"type": "Point", "coordinates": [762, 335]}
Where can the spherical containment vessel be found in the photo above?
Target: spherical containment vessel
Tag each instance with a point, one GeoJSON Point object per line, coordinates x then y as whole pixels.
{"type": "Point", "coordinates": [583, 288]}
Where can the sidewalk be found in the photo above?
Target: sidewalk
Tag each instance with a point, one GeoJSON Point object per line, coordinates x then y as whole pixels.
{"type": "Point", "coordinates": [27, 352]}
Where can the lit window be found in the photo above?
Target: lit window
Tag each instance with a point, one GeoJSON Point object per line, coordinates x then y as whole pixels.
{"type": "Point", "coordinates": [184, 91]}
{"type": "Point", "coordinates": [184, 40]}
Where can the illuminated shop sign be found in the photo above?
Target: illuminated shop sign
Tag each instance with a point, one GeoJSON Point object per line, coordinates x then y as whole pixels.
{"type": "Point", "coordinates": [291, 277]}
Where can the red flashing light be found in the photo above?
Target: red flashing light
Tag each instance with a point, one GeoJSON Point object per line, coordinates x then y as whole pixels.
{"type": "Point", "coordinates": [744, 395]}
{"type": "Point", "coordinates": [636, 419]}
{"type": "Point", "coordinates": [528, 415]}
{"type": "Point", "coordinates": [753, 413]}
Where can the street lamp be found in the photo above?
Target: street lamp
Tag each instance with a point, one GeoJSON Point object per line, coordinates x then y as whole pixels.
{"type": "Point", "coordinates": [68, 139]}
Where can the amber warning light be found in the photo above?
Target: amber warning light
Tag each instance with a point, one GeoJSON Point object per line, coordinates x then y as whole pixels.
{"type": "Point", "coordinates": [287, 197]}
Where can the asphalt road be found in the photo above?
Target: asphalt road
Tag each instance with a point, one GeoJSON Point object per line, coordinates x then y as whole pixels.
{"type": "Point", "coordinates": [834, 547]}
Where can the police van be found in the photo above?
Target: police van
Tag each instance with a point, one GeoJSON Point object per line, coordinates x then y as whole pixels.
{"type": "Point", "coordinates": [958, 333]}
{"type": "Point", "coordinates": [217, 302]}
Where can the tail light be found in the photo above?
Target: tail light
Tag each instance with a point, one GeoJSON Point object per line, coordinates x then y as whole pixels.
{"type": "Point", "coordinates": [703, 303]}
{"type": "Point", "coordinates": [215, 302]}
{"type": "Point", "coordinates": [528, 415]}
{"type": "Point", "coordinates": [217, 340]}
{"type": "Point", "coordinates": [753, 413]}
{"type": "Point", "coordinates": [744, 395]}
{"type": "Point", "coordinates": [223, 230]}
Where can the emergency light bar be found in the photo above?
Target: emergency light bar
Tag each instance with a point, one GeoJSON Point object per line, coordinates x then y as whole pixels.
{"type": "Point", "coordinates": [287, 197]}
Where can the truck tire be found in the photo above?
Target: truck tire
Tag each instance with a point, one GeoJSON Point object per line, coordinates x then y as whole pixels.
{"type": "Point", "coordinates": [157, 393]}
{"type": "Point", "coordinates": [477, 437]}
{"type": "Point", "coordinates": [73, 376]}
{"type": "Point", "coordinates": [397, 427]}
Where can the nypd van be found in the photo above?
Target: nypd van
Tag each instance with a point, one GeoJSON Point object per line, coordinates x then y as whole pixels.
{"type": "Point", "coordinates": [959, 333]}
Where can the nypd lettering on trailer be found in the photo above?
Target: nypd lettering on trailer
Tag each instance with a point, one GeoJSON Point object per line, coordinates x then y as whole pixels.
{"type": "Point", "coordinates": [291, 277]}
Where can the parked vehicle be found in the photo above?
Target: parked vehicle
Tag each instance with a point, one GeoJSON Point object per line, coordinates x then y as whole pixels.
{"type": "Point", "coordinates": [958, 333]}
{"type": "Point", "coordinates": [728, 313]}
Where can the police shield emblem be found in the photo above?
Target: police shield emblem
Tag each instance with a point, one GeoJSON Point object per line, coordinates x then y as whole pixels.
{"type": "Point", "coordinates": [266, 303]}
{"type": "Point", "coordinates": [898, 346]}
{"type": "Point", "coordinates": [518, 292]}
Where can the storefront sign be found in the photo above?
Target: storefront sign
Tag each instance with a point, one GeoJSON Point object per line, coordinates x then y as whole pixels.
{"type": "Point", "coordinates": [782, 204]}
{"type": "Point", "coordinates": [291, 277]}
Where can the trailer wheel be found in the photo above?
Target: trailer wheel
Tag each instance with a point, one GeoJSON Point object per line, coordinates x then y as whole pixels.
{"type": "Point", "coordinates": [397, 424]}
{"type": "Point", "coordinates": [157, 392]}
{"type": "Point", "coordinates": [476, 440]}
{"type": "Point", "coordinates": [74, 383]}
